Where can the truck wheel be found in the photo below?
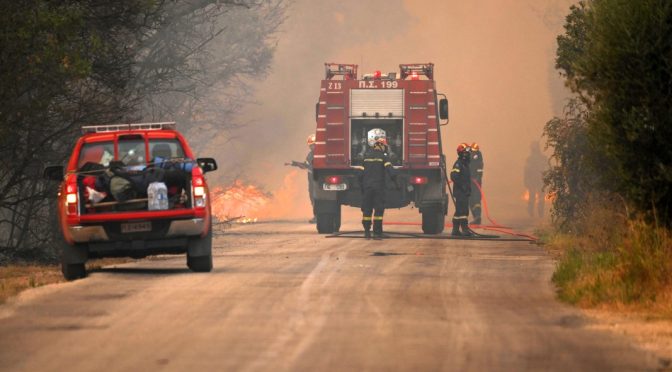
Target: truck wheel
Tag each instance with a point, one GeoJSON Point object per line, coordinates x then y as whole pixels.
{"type": "Point", "coordinates": [337, 220]}
{"type": "Point", "coordinates": [73, 261]}
{"type": "Point", "coordinates": [199, 253]}
{"type": "Point", "coordinates": [433, 221]}
{"type": "Point", "coordinates": [326, 223]}
{"type": "Point", "coordinates": [73, 271]}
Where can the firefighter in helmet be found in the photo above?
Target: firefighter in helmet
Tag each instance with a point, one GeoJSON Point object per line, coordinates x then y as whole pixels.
{"type": "Point", "coordinates": [461, 190]}
{"type": "Point", "coordinates": [476, 171]}
{"type": "Point", "coordinates": [376, 166]}
{"type": "Point", "coordinates": [309, 167]}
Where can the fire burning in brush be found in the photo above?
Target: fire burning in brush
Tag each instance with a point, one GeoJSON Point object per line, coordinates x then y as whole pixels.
{"type": "Point", "coordinates": [526, 195]}
{"type": "Point", "coordinates": [238, 203]}
{"type": "Point", "coordinates": [547, 197]}
{"type": "Point", "coordinates": [242, 202]}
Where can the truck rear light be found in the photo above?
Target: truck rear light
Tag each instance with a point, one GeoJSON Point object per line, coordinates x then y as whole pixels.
{"type": "Point", "coordinates": [198, 190]}
{"type": "Point", "coordinates": [418, 180]}
{"type": "Point", "coordinates": [71, 192]}
{"type": "Point", "coordinates": [333, 180]}
{"type": "Point", "coordinates": [71, 199]}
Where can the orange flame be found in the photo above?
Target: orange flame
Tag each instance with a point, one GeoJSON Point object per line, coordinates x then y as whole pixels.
{"type": "Point", "coordinates": [238, 201]}
{"type": "Point", "coordinates": [245, 203]}
{"type": "Point", "coordinates": [526, 195]}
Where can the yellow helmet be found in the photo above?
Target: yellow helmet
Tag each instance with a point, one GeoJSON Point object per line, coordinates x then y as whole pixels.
{"type": "Point", "coordinates": [474, 146]}
{"type": "Point", "coordinates": [311, 140]}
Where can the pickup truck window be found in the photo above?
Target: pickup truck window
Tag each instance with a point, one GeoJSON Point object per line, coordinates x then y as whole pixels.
{"type": "Point", "coordinates": [132, 151]}
{"type": "Point", "coordinates": [165, 149]}
{"type": "Point", "coordinates": [96, 152]}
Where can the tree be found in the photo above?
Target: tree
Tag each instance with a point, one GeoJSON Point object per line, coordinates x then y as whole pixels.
{"type": "Point", "coordinates": [617, 55]}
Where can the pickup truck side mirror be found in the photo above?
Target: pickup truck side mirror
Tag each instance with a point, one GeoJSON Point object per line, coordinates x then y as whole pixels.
{"type": "Point", "coordinates": [443, 109]}
{"type": "Point", "coordinates": [207, 164]}
{"type": "Point", "coordinates": [53, 172]}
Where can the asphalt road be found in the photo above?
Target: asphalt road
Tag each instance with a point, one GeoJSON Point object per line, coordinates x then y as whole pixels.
{"type": "Point", "coordinates": [282, 298]}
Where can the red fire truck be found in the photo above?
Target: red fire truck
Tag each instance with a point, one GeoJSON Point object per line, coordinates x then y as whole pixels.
{"type": "Point", "coordinates": [407, 107]}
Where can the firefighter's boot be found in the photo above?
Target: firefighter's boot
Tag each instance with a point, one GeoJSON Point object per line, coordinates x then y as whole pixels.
{"type": "Point", "coordinates": [378, 228]}
{"type": "Point", "coordinates": [366, 222]}
{"type": "Point", "coordinates": [476, 212]}
{"type": "Point", "coordinates": [466, 231]}
{"type": "Point", "coordinates": [456, 228]}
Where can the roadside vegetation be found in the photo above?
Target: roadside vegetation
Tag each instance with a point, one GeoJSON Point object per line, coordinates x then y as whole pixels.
{"type": "Point", "coordinates": [611, 175]}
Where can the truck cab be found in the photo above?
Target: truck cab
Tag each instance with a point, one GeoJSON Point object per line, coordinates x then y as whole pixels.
{"type": "Point", "coordinates": [407, 106]}
{"type": "Point", "coordinates": [105, 204]}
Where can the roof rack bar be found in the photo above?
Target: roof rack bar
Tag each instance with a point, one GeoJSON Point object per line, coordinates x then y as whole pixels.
{"type": "Point", "coordinates": [348, 71]}
{"type": "Point", "coordinates": [426, 69]}
{"type": "Point", "coordinates": [131, 126]}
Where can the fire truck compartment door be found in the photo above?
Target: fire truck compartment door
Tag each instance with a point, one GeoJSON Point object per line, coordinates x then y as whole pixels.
{"type": "Point", "coordinates": [368, 102]}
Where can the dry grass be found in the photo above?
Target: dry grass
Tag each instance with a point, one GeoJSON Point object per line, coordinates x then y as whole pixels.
{"type": "Point", "coordinates": [628, 269]}
{"type": "Point", "coordinates": [16, 278]}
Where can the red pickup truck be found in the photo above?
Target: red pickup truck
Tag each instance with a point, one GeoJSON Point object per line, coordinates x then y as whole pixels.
{"type": "Point", "coordinates": [106, 209]}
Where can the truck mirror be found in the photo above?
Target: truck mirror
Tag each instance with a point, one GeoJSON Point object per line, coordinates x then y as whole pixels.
{"type": "Point", "coordinates": [53, 172]}
{"type": "Point", "coordinates": [443, 109]}
{"type": "Point", "coordinates": [207, 164]}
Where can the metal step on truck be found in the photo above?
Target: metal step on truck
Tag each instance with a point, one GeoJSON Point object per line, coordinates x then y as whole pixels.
{"type": "Point", "coordinates": [407, 107]}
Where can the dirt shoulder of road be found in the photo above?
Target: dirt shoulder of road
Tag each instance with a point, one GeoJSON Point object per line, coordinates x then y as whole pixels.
{"type": "Point", "coordinates": [648, 332]}
{"type": "Point", "coordinates": [16, 278]}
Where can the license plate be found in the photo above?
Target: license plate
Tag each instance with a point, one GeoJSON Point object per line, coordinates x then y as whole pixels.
{"type": "Point", "coordinates": [133, 227]}
{"type": "Point", "coordinates": [336, 187]}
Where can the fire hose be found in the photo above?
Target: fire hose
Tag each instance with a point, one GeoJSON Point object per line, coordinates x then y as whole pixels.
{"type": "Point", "coordinates": [516, 236]}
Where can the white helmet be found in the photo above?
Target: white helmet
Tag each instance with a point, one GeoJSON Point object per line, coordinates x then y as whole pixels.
{"type": "Point", "coordinates": [376, 135]}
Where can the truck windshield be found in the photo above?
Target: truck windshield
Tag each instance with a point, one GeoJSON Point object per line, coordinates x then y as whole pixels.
{"type": "Point", "coordinates": [165, 149]}
{"type": "Point", "coordinates": [97, 153]}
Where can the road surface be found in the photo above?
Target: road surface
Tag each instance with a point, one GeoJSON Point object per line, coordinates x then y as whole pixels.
{"type": "Point", "coordinates": [282, 298]}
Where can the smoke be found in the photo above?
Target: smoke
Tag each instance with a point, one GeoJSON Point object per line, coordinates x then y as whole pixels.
{"type": "Point", "coordinates": [493, 58]}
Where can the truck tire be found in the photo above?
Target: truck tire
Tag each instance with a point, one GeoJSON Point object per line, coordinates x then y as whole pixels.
{"type": "Point", "coordinates": [199, 253]}
{"type": "Point", "coordinates": [337, 222]}
{"type": "Point", "coordinates": [433, 221]}
{"type": "Point", "coordinates": [73, 260]}
{"type": "Point", "coordinates": [327, 223]}
{"type": "Point", "coordinates": [73, 271]}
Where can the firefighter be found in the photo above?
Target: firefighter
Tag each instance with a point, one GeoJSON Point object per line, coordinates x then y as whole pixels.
{"type": "Point", "coordinates": [476, 171]}
{"type": "Point", "coordinates": [376, 166]}
{"type": "Point", "coordinates": [461, 190]}
{"type": "Point", "coordinates": [535, 165]}
{"type": "Point", "coordinates": [309, 167]}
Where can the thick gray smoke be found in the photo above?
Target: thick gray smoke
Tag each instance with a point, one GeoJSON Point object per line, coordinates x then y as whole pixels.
{"type": "Point", "coordinates": [493, 58]}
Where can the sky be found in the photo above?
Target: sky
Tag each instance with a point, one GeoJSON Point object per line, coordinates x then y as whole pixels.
{"type": "Point", "coordinates": [494, 60]}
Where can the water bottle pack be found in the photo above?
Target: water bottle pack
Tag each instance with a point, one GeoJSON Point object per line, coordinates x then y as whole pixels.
{"type": "Point", "coordinates": [157, 196]}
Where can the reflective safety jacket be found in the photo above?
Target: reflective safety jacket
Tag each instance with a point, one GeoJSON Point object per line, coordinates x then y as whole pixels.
{"type": "Point", "coordinates": [461, 178]}
{"type": "Point", "coordinates": [376, 165]}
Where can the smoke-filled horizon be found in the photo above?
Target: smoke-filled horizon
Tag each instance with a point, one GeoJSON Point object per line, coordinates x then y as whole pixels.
{"type": "Point", "coordinates": [494, 59]}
